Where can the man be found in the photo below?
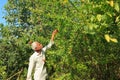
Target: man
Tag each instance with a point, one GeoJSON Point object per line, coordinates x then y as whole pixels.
{"type": "Point", "coordinates": [37, 60]}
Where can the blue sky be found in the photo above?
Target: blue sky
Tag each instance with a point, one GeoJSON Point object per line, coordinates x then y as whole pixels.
{"type": "Point", "coordinates": [2, 3]}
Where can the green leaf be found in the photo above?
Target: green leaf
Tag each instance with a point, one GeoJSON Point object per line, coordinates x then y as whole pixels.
{"type": "Point", "coordinates": [99, 17]}
{"type": "Point", "coordinates": [117, 7]}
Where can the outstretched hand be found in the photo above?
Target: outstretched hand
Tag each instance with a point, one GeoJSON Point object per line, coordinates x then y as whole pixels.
{"type": "Point", "coordinates": [53, 34]}
{"type": "Point", "coordinates": [55, 31]}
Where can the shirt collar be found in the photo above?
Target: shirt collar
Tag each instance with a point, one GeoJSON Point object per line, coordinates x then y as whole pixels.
{"type": "Point", "coordinates": [38, 54]}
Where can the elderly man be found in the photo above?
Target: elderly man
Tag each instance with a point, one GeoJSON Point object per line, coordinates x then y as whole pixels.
{"type": "Point", "coordinates": [37, 60]}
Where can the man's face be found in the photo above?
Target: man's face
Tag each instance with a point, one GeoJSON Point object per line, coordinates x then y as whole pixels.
{"type": "Point", "coordinates": [38, 46]}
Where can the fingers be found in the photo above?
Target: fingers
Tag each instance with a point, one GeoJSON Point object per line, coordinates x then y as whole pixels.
{"type": "Point", "coordinates": [55, 31]}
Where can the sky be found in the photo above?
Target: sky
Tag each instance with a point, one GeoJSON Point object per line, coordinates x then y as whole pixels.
{"type": "Point", "coordinates": [2, 3]}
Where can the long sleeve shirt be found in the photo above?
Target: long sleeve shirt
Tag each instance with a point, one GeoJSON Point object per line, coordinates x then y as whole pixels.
{"type": "Point", "coordinates": [36, 62]}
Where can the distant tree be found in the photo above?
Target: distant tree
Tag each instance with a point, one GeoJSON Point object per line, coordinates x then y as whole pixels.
{"type": "Point", "coordinates": [86, 47]}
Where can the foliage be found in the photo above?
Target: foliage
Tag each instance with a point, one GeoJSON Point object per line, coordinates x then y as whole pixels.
{"type": "Point", "coordinates": [86, 47]}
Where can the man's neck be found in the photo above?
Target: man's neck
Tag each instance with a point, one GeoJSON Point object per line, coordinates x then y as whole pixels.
{"type": "Point", "coordinates": [38, 51]}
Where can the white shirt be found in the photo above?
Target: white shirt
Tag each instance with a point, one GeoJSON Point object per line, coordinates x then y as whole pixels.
{"type": "Point", "coordinates": [36, 62]}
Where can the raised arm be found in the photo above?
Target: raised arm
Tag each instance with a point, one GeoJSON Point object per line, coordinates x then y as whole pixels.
{"type": "Point", "coordinates": [53, 34]}
{"type": "Point", "coordinates": [51, 40]}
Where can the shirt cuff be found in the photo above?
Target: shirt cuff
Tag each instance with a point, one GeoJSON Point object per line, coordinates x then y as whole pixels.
{"type": "Point", "coordinates": [51, 42]}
